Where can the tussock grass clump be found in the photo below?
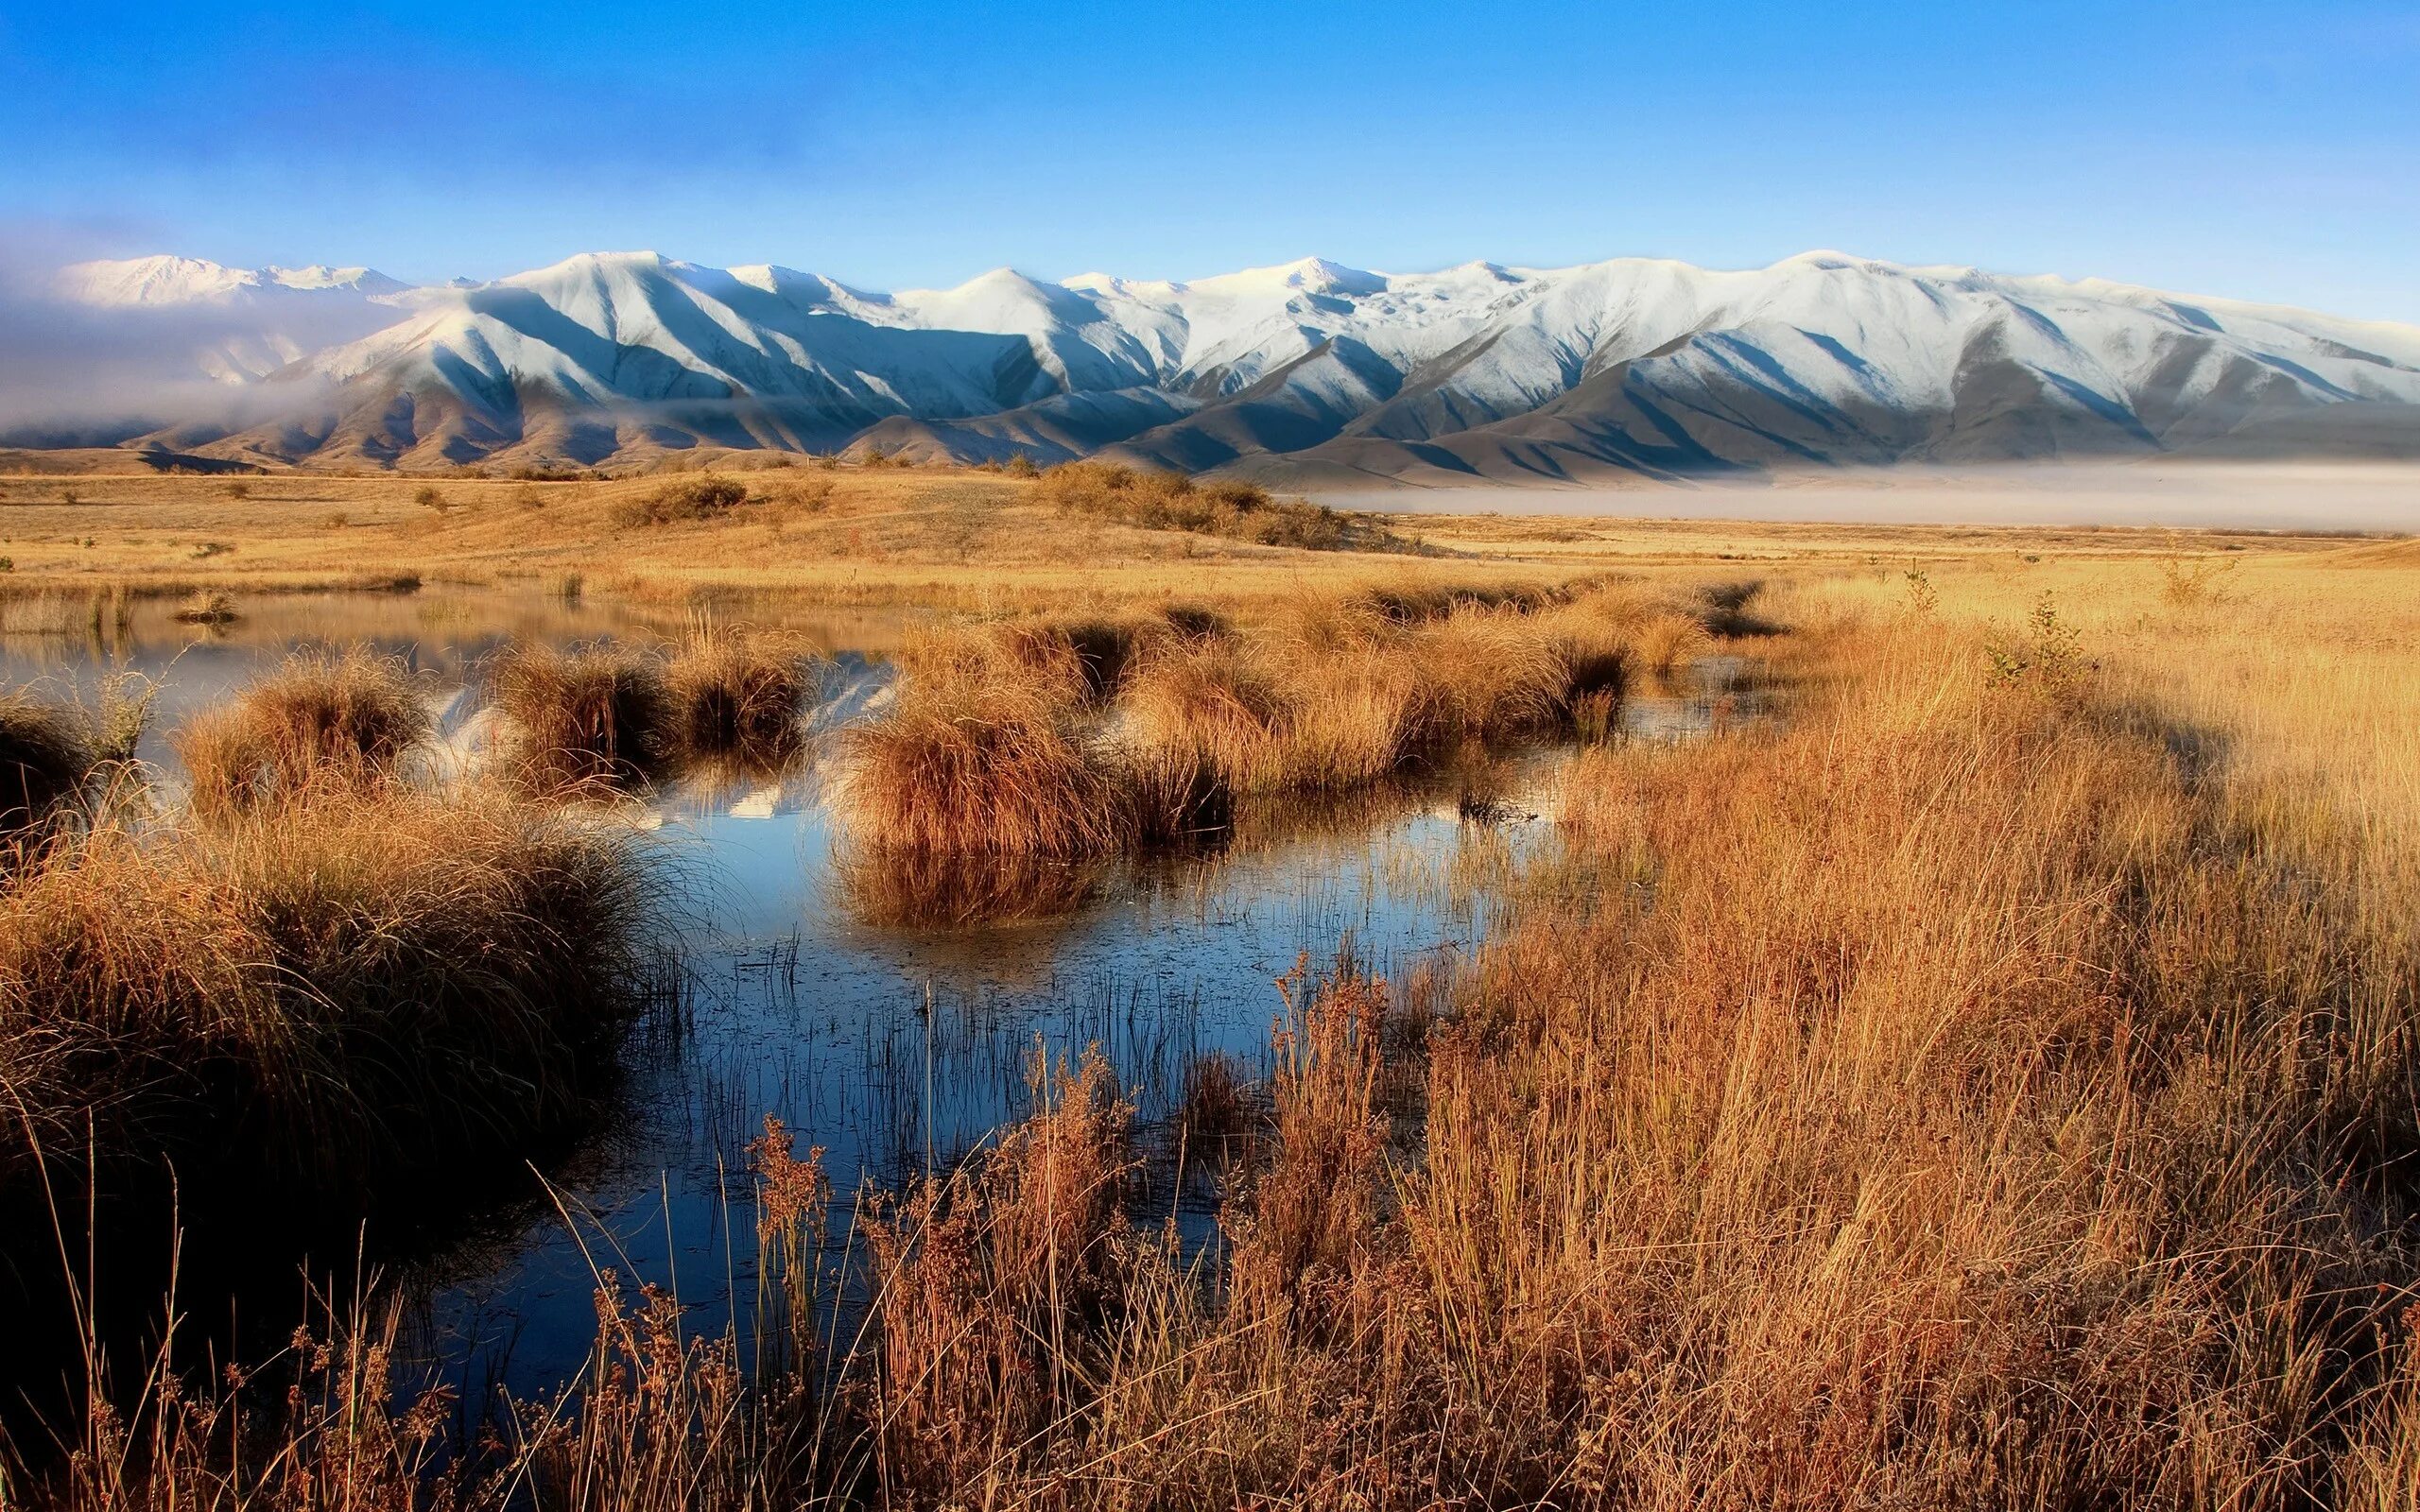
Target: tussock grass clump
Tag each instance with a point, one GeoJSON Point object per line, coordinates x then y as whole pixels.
{"type": "Point", "coordinates": [207, 607]}
{"type": "Point", "coordinates": [1666, 643]}
{"type": "Point", "coordinates": [1598, 664]}
{"type": "Point", "coordinates": [313, 999]}
{"type": "Point", "coordinates": [1211, 701]}
{"type": "Point", "coordinates": [1176, 798]}
{"type": "Point", "coordinates": [979, 767]}
{"type": "Point", "coordinates": [1355, 719]}
{"type": "Point", "coordinates": [45, 758]}
{"type": "Point", "coordinates": [323, 719]}
{"type": "Point", "coordinates": [1497, 674]}
{"type": "Point", "coordinates": [1320, 709]}
{"type": "Point", "coordinates": [1340, 691]}
{"type": "Point", "coordinates": [592, 714]}
{"type": "Point", "coordinates": [1193, 623]}
{"type": "Point", "coordinates": [731, 693]}
{"type": "Point", "coordinates": [1064, 659]}
{"type": "Point", "coordinates": [1409, 604]}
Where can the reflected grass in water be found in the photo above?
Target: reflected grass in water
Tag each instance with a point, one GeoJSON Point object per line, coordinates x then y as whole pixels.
{"type": "Point", "coordinates": [892, 889]}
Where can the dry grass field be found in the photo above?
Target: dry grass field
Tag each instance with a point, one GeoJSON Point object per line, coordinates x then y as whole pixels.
{"type": "Point", "coordinates": [934, 537]}
{"type": "Point", "coordinates": [1992, 1080]}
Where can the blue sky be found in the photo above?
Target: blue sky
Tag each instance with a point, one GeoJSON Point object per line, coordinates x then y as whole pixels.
{"type": "Point", "coordinates": [2266, 151]}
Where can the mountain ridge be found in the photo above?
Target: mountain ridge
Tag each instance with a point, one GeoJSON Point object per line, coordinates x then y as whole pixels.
{"type": "Point", "coordinates": [1628, 368]}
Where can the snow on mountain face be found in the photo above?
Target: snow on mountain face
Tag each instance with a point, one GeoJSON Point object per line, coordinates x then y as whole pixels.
{"type": "Point", "coordinates": [1315, 371]}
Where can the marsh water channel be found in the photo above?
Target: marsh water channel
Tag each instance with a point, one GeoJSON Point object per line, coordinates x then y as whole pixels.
{"type": "Point", "coordinates": [897, 1047]}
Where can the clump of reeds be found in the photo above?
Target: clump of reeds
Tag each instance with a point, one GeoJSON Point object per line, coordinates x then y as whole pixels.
{"type": "Point", "coordinates": [343, 720]}
{"type": "Point", "coordinates": [1062, 658]}
{"type": "Point", "coordinates": [1314, 1221]}
{"type": "Point", "coordinates": [984, 767]}
{"type": "Point", "coordinates": [45, 758]}
{"type": "Point", "coordinates": [592, 714]}
{"type": "Point", "coordinates": [308, 1001]}
{"type": "Point", "coordinates": [207, 607]}
{"type": "Point", "coordinates": [1214, 1109]}
{"type": "Point", "coordinates": [1666, 643]}
{"type": "Point", "coordinates": [1176, 797]}
{"type": "Point", "coordinates": [1335, 697]}
{"type": "Point", "coordinates": [730, 692]}
{"type": "Point", "coordinates": [1497, 674]}
{"type": "Point", "coordinates": [987, 1274]}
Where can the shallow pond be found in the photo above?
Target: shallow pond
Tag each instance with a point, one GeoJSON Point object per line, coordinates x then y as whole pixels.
{"type": "Point", "coordinates": [897, 1047]}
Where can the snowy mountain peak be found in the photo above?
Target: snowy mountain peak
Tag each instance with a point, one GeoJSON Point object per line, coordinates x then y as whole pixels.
{"type": "Point", "coordinates": [1307, 369]}
{"type": "Point", "coordinates": [164, 280]}
{"type": "Point", "coordinates": [1311, 275]}
{"type": "Point", "coordinates": [321, 276]}
{"type": "Point", "coordinates": [140, 281]}
{"type": "Point", "coordinates": [1834, 262]}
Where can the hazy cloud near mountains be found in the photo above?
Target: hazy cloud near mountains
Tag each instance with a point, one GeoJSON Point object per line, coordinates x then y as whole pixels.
{"type": "Point", "coordinates": [76, 375]}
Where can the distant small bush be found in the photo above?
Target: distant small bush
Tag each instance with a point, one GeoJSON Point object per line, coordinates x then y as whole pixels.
{"type": "Point", "coordinates": [240, 490]}
{"type": "Point", "coordinates": [429, 498]}
{"type": "Point", "coordinates": [2050, 660]}
{"type": "Point", "coordinates": [807, 495]}
{"type": "Point", "coordinates": [1170, 500]}
{"type": "Point", "coordinates": [1923, 599]}
{"type": "Point", "coordinates": [1021, 466]}
{"type": "Point", "coordinates": [702, 497]}
{"type": "Point", "coordinates": [2188, 584]}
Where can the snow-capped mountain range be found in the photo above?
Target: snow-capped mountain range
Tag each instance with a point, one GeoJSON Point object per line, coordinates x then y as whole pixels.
{"type": "Point", "coordinates": [1307, 372]}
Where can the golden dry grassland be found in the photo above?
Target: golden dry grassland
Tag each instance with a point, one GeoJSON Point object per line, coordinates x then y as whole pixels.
{"type": "Point", "coordinates": [851, 534]}
{"type": "Point", "coordinates": [1993, 1081]}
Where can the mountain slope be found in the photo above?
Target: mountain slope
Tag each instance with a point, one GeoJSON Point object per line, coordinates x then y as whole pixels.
{"type": "Point", "coordinates": [1315, 371]}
